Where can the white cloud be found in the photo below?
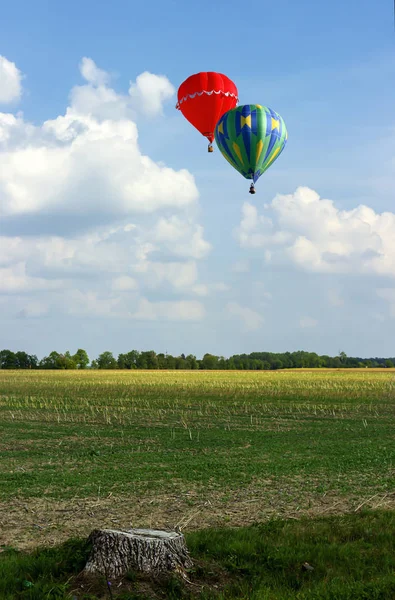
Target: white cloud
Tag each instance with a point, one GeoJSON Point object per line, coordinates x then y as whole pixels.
{"type": "Point", "coordinates": [97, 99]}
{"type": "Point", "coordinates": [97, 169]}
{"type": "Point", "coordinates": [178, 274]}
{"type": "Point", "coordinates": [88, 161]}
{"type": "Point", "coordinates": [121, 255]}
{"type": "Point", "coordinates": [317, 236]}
{"type": "Point", "coordinates": [307, 322]}
{"type": "Point", "coordinates": [256, 231]}
{"type": "Point", "coordinates": [151, 91]}
{"type": "Point", "coordinates": [181, 238]}
{"type": "Point", "coordinates": [10, 81]}
{"type": "Point", "coordinates": [124, 283]}
{"type": "Point", "coordinates": [183, 310]}
{"type": "Point", "coordinates": [33, 309]}
{"type": "Point", "coordinates": [202, 289]}
{"type": "Point", "coordinates": [104, 273]}
{"type": "Point", "coordinates": [92, 304]}
{"type": "Point", "coordinates": [14, 279]}
{"type": "Point", "coordinates": [250, 319]}
{"type": "Point", "coordinates": [92, 73]}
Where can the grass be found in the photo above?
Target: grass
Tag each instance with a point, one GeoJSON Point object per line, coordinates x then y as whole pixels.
{"type": "Point", "coordinates": [292, 458]}
{"type": "Point", "coordinates": [141, 448]}
{"type": "Point", "coordinates": [353, 558]}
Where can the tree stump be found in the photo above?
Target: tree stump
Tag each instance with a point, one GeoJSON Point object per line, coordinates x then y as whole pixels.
{"type": "Point", "coordinates": [149, 550]}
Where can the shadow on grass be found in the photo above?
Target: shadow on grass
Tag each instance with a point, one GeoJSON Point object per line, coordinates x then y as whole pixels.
{"type": "Point", "coordinates": [352, 558]}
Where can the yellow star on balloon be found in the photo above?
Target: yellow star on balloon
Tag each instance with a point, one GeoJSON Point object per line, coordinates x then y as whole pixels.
{"type": "Point", "coordinates": [275, 124]}
{"type": "Point", "coordinates": [246, 121]}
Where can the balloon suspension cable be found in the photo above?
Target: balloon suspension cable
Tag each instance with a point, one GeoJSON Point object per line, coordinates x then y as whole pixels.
{"type": "Point", "coordinates": [252, 189]}
{"type": "Point", "coordinates": [210, 148]}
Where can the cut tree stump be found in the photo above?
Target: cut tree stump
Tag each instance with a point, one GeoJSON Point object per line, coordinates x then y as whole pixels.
{"type": "Point", "coordinates": [149, 550]}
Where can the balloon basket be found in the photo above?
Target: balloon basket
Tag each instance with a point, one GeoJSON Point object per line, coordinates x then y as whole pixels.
{"type": "Point", "coordinates": [210, 148]}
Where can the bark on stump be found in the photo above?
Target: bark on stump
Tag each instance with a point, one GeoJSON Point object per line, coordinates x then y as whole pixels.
{"type": "Point", "coordinates": [149, 550]}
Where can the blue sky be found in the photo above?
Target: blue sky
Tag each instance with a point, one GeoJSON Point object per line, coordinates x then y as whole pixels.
{"type": "Point", "coordinates": [307, 263]}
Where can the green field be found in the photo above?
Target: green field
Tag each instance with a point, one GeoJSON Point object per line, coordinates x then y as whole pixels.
{"type": "Point", "coordinates": [87, 449]}
{"type": "Point", "coordinates": [153, 448]}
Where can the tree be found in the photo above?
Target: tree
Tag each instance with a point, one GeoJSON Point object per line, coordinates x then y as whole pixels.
{"type": "Point", "coordinates": [81, 359]}
{"type": "Point", "coordinates": [66, 361]}
{"type": "Point", "coordinates": [26, 361]}
{"type": "Point", "coordinates": [170, 362]}
{"type": "Point", "coordinates": [8, 360]}
{"type": "Point", "coordinates": [161, 360]}
{"type": "Point", "coordinates": [106, 360]}
{"type": "Point", "coordinates": [210, 361]}
{"type": "Point", "coordinates": [181, 363]}
{"type": "Point", "coordinates": [128, 360]}
{"type": "Point", "coordinates": [277, 364]}
{"type": "Point", "coordinates": [51, 361]}
{"type": "Point", "coordinates": [150, 359]}
{"type": "Point", "coordinates": [192, 362]}
{"type": "Point", "coordinates": [343, 357]}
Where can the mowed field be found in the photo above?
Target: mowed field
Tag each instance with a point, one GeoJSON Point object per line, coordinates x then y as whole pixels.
{"type": "Point", "coordinates": [87, 449]}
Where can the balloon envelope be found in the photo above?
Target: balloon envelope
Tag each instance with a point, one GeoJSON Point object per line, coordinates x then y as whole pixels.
{"type": "Point", "coordinates": [251, 137]}
{"type": "Point", "coordinates": [204, 97]}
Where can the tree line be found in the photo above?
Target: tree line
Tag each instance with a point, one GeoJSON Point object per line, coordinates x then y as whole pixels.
{"type": "Point", "coordinates": [256, 361]}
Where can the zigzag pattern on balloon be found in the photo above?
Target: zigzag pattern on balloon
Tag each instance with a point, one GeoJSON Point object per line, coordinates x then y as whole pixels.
{"type": "Point", "coordinates": [251, 137]}
{"type": "Point", "coordinates": [208, 93]}
{"type": "Point", "coordinates": [203, 98]}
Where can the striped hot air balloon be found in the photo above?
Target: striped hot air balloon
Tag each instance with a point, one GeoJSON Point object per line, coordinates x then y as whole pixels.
{"type": "Point", "coordinates": [251, 137]}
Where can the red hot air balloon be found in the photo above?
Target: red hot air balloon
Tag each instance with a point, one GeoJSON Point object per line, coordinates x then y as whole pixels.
{"type": "Point", "coordinates": [203, 98]}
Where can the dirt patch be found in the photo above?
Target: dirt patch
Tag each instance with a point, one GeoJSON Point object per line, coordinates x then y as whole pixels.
{"type": "Point", "coordinates": [27, 523]}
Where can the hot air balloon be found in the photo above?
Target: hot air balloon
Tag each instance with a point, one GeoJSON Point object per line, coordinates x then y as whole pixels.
{"type": "Point", "coordinates": [203, 98]}
{"type": "Point", "coordinates": [251, 137]}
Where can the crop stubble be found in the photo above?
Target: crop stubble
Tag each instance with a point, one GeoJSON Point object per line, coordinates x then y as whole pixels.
{"type": "Point", "coordinates": [89, 449]}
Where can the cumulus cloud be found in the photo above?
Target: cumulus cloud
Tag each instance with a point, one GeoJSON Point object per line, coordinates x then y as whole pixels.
{"type": "Point", "coordinates": [183, 310]}
{"type": "Point", "coordinates": [33, 309]}
{"type": "Point", "coordinates": [250, 319]}
{"type": "Point", "coordinates": [105, 273]}
{"type": "Point", "coordinates": [88, 161]}
{"type": "Point", "coordinates": [10, 81]}
{"type": "Point", "coordinates": [92, 304]}
{"type": "Point", "coordinates": [120, 257]}
{"type": "Point", "coordinates": [97, 169]}
{"type": "Point", "coordinates": [203, 289]}
{"type": "Point", "coordinates": [181, 238]}
{"type": "Point", "coordinates": [14, 279]}
{"type": "Point", "coordinates": [146, 96]}
{"type": "Point", "coordinates": [317, 236]}
{"type": "Point", "coordinates": [124, 283]}
{"type": "Point", "coordinates": [151, 91]}
{"type": "Point", "coordinates": [91, 72]}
